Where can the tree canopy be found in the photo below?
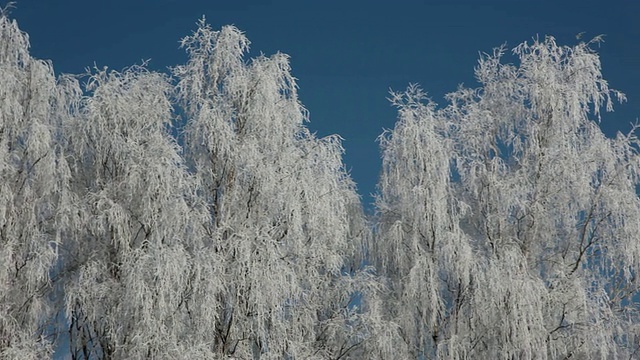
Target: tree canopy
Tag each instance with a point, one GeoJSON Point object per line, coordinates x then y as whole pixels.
{"type": "Point", "coordinates": [194, 215]}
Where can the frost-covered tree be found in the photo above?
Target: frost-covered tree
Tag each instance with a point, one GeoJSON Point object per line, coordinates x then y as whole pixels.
{"type": "Point", "coordinates": [510, 219]}
{"type": "Point", "coordinates": [249, 248]}
{"type": "Point", "coordinates": [420, 247]}
{"type": "Point", "coordinates": [33, 192]}
{"type": "Point", "coordinates": [139, 249]}
{"type": "Point", "coordinates": [507, 223]}
{"type": "Point", "coordinates": [284, 216]}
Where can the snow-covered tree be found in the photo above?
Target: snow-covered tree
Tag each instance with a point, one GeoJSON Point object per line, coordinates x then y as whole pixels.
{"type": "Point", "coordinates": [419, 247]}
{"type": "Point", "coordinates": [249, 248]}
{"type": "Point", "coordinates": [508, 221]}
{"type": "Point", "coordinates": [139, 251]}
{"type": "Point", "coordinates": [33, 190]}
{"type": "Point", "coordinates": [196, 217]}
{"type": "Point", "coordinates": [284, 216]}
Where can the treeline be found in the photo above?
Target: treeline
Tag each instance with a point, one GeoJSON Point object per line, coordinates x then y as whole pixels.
{"type": "Point", "coordinates": [193, 215]}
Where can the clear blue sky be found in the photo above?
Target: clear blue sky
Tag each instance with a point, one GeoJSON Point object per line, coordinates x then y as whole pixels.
{"type": "Point", "coordinates": [346, 54]}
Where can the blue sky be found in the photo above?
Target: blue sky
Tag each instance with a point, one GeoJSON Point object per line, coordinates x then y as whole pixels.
{"type": "Point", "coordinates": [345, 54]}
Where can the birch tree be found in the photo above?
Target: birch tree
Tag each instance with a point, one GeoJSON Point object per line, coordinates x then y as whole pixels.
{"type": "Point", "coordinates": [138, 252]}
{"type": "Point", "coordinates": [538, 245]}
{"type": "Point", "coordinates": [420, 247]}
{"type": "Point", "coordinates": [284, 216]}
{"type": "Point", "coordinates": [249, 248]}
{"type": "Point", "coordinates": [33, 189]}
{"type": "Point", "coordinates": [506, 222]}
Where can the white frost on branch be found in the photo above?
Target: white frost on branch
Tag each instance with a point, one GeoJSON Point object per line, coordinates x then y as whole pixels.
{"type": "Point", "coordinates": [545, 266]}
{"type": "Point", "coordinates": [506, 222]}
